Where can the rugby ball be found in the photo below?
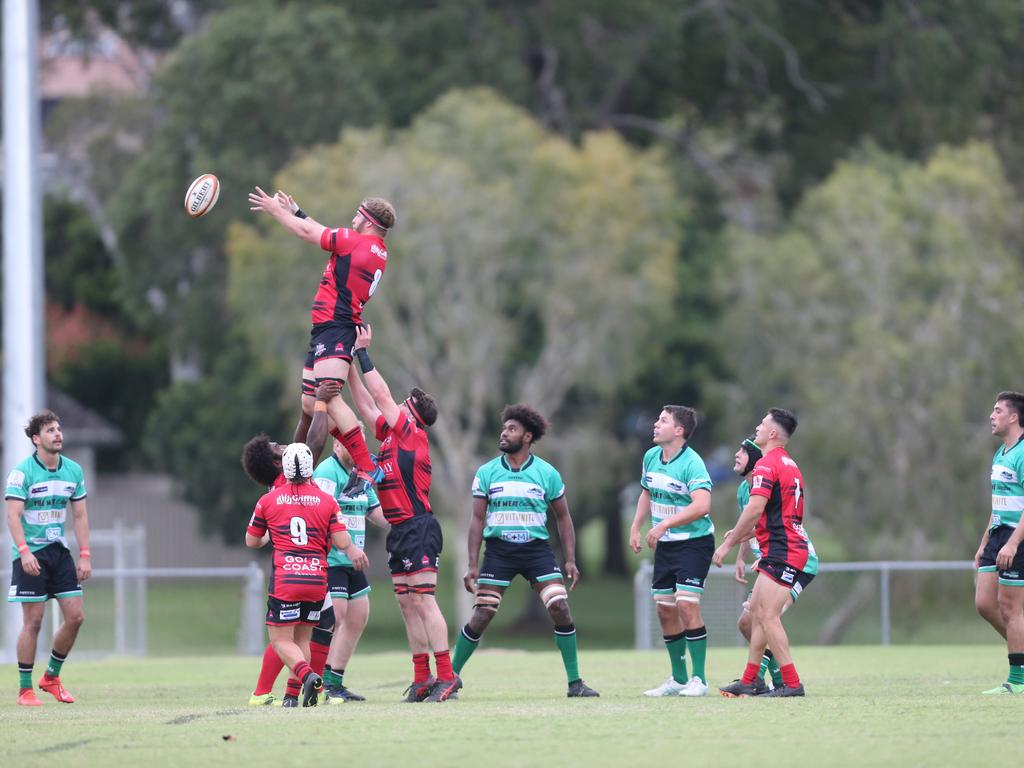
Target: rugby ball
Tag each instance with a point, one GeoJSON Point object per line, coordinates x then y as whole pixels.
{"type": "Point", "coordinates": [202, 195]}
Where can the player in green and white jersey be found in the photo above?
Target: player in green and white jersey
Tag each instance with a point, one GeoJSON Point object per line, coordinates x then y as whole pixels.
{"type": "Point", "coordinates": [999, 595]}
{"type": "Point", "coordinates": [348, 589]}
{"type": "Point", "coordinates": [676, 496]}
{"type": "Point", "coordinates": [511, 498]}
{"type": "Point", "coordinates": [38, 492]}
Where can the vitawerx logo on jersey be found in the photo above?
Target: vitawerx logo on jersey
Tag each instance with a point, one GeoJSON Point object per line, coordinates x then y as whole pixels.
{"type": "Point", "coordinates": [676, 487]}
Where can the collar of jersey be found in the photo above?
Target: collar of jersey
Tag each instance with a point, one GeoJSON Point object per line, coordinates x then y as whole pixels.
{"type": "Point", "coordinates": [685, 448]}
{"type": "Point", "coordinates": [1004, 449]}
{"type": "Point", "coordinates": [526, 463]}
{"type": "Point", "coordinates": [60, 462]}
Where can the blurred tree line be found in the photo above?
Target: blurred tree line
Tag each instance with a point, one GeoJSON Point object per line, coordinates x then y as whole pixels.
{"type": "Point", "coordinates": [603, 207]}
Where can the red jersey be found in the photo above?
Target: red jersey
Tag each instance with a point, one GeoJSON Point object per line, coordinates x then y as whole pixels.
{"type": "Point", "coordinates": [780, 531]}
{"type": "Point", "coordinates": [301, 519]}
{"type": "Point", "coordinates": [405, 458]}
{"type": "Point", "coordinates": [350, 277]}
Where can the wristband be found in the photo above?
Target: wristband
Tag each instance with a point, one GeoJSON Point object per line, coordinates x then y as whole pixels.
{"type": "Point", "coordinates": [365, 363]}
{"type": "Point", "coordinates": [300, 214]}
{"type": "Point", "coordinates": [319, 406]}
{"type": "Point", "coordinates": [84, 552]}
{"type": "Point", "coordinates": [22, 549]}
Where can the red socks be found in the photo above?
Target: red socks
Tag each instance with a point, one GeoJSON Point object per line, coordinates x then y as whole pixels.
{"type": "Point", "coordinates": [750, 673]}
{"type": "Point", "coordinates": [421, 667]}
{"type": "Point", "coordinates": [355, 444]}
{"type": "Point", "coordinates": [443, 660]}
{"type": "Point", "coordinates": [271, 668]}
{"type": "Point", "coordinates": [790, 678]}
{"type": "Point", "coordinates": [293, 688]}
{"type": "Point", "coordinates": [318, 657]}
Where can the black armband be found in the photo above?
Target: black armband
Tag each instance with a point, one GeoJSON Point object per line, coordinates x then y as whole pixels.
{"type": "Point", "coordinates": [365, 363]}
{"type": "Point", "coordinates": [301, 214]}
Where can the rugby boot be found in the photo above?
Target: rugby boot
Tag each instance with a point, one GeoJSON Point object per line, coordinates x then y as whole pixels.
{"type": "Point", "coordinates": [340, 694]}
{"type": "Point", "coordinates": [1005, 689]}
{"type": "Point", "coordinates": [312, 684]}
{"type": "Point", "coordinates": [694, 687]}
{"type": "Point", "coordinates": [580, 690]}
{"type": "Point", "coordinates": [261, 700]}
{"type": "Point", "coordinates": [737, 689]}
{"type": "Point", "coordinates": [443, 690]}
{"type": "Point", "coordinates": [52, 686]}
{"type": "Point", "coordinates": [290, 701]}
{"type": "Point", "coordinates": [419, 691]}
{"type": "Point", "coordinates": [669, 688]}
{"type": "Point", "coordinates": [27, 698]}
{"type": "Point", "coordinates": [785, 690]}
{"type": "Point", "coordinates": [359, 482]}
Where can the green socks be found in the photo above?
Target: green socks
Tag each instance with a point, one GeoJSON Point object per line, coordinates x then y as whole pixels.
{"type": "Point", "coordinates": [466, 643]}
{"type": "Point", "coordinates": [676, 647]}
{"type": "Point", "coordinates": [697, 643]}
{"type": "Point", "coordinates": [56, 662]}
{"type": "Point", "coordinates": [24, 675]}
{"type": "Point", "coordinates": [1016, 668]}
{"type": "Point", "coordinates": [769, 664]}
{"type": "Point", "coordinates": [333, 678]}
{"type": "Point", "coordinates": [565, 639]}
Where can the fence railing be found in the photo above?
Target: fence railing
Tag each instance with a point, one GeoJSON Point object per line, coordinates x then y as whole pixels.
{"type": "Point", "coordinates": [724, 602]}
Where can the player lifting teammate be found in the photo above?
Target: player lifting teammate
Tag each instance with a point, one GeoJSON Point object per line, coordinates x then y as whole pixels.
{"type": "Point", "coordinates": [676, 496]}
{"type": "Point", "coordinates": [38, 492]}
{"type": "Point", "coordinates": [414, 541]}
{"type": "Point", "coordinates": [353, 272]}
{"type": "Point", "coordinates": [775, 515]}
{"type": "Point", "coordinates": [999, 595]}
{"type": "Point", "coordinates": [303, 522]}
{"type": "Point", "coordinates": [511, 498]}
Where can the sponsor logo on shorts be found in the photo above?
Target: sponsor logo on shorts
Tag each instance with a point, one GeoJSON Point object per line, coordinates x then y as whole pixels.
{"type": "Point", "coordinates": [314, 616]}
{"type": "Point", "coordinates": [788, 576]}
{"type": "Point", "coordinates": [695, 582]}
{"type": "Point", "coordinates": [339, 347]}
{"type": "Point", "coordinates": [425, 560]}
{"type": "Point", "coordinates": [13, 591]}
{"type": "Point", "coordinates": [407, 563]}
{"type": "Point", "coordinates": [289, 614]}
{"type": "Point", "coordinates": [1011, 575]}
{"type": "Point", "coordinates": [319, 350]}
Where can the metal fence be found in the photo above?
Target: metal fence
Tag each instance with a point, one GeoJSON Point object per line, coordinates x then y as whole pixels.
{"type": "Point", "coordinates": [723, 596]}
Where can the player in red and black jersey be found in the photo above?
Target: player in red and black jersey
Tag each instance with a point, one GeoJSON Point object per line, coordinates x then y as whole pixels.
{"type": "Point", "coordinates": [775, 515]}
{"type": "Point", "coordinates": [358, 258]}
{"type": "Point", "coordinates": [414, 541]}
{"type": "Point", "coordinates": [302, 522]}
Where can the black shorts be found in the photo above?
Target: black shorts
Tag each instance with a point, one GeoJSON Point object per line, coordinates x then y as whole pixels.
{"type": "Point", "coordinates": [503, 561]}
{"type": "Point", "coordinates": [414, 546]}
{"type": "Point", "coordinates": [58, 577]}
{"type": "Point", "coordinates": [330, 340]}
{"type": "Point", "coordinates": [283, 614]}
{"type": "Point", "coordinates": [682, 566]}
{"type": "Point", "coordinates": [784, 574]}
{"type": "Point", "coordinates": [346, 583]}
{"type": "Point", "coordinates": [997, 538]}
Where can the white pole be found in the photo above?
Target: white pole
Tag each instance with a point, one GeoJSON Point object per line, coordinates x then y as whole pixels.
{"type": "Point", "coordinates": [23, 349]}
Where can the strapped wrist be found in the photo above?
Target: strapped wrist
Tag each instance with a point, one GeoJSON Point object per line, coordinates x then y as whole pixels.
{"type": "Point", "coordinates": [84, 552]}
{"type": "Point", "coordinates": [365, 363]}
{"type": "Point", "coordinates": [22, 549]}
{"type": "Point", "coordinates": [299, 213]}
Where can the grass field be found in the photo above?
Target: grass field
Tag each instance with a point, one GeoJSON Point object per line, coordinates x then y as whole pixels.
{"type": "Point", "coordinates": [866, 706]}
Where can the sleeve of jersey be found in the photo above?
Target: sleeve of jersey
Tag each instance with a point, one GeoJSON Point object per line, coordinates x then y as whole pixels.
{"type": "Point", "coordinates": [762, 480]}
{"type": "Point", "coordinates": [643, 475]}
{"type": "Point", "coordinates": [330, 238]}
{"type": "Point", "coordinates": [326, 484]}
{"type": "Point", "coordinates": [381, 428]}
{"type": "Point", "coordinates": [337, 524]}
{"type": "Point", "coordinates": [556, 488]}
{"type": "Point", "coordinates": [16, 486]}
{"type": "Point", "coordinates": [698, 478]}
{"type": "Point", "coordinates": [80, 492]}
{"type": "Point", "coordinates": [480, 486]}
{"type": "Point", "coordinates": [258, 522]}
{"type": "Point", "coordinates": [372, 502]}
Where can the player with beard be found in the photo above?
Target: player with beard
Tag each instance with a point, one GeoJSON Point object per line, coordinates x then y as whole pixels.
{"type": "Point", "coordinates": [512, 495]}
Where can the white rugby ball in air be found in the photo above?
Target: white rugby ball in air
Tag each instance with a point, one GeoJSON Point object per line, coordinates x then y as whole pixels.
{"type": "Point", "coordinates": [202, 195]}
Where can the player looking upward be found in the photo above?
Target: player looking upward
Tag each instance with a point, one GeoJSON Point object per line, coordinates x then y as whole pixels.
{"type": "Point", "coordinates": [676, 495]}
{"type": "Point", "coordinates": [999, 595]}
{"type": "Point", "coordinates": [775, 515]}
{"type": "Point", "coordinates": [414, 541]}
{"type": "Point", "coordinates": [348, 588]}
{"type": "Point", "coordinates": [38, 492]}
{"type": "Point", "coordinates": [356, 265]}
{"type": "Point", "coordinates": [303, 522]}
{"type": "Point", "coordinates": [511, 498]}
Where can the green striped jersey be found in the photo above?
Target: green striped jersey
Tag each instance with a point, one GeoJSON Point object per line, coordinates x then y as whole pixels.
{"type": "Point", "coordinates": [670, 485]}
{"type": "Point", "coordinates": [46, 493]}
{"type": "Point", "coordinates": [742, 497]}
{"type": "Point", "coordinates": [332, 476]}
{"type": "Point", "coordinates": [1008, 485]}
{"type": "Point", "coordinates": [517, 499]}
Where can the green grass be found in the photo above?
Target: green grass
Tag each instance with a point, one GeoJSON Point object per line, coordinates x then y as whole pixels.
{"type": "Point", "coordinates": [865, 706]}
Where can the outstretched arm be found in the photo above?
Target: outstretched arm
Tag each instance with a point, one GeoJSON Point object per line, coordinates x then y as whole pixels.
{"type": "Point", "coordinates": [375, 384]}
{"type": "Point", "coordinates": [362, 399]}
{"type": "Point", "coordinates": [305, 229]}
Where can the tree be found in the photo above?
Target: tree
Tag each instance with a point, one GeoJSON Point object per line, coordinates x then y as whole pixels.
{"type": "Point", "coordinates": [522, 268]}
{"type": "Point", "coordinates": [880, 314]}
